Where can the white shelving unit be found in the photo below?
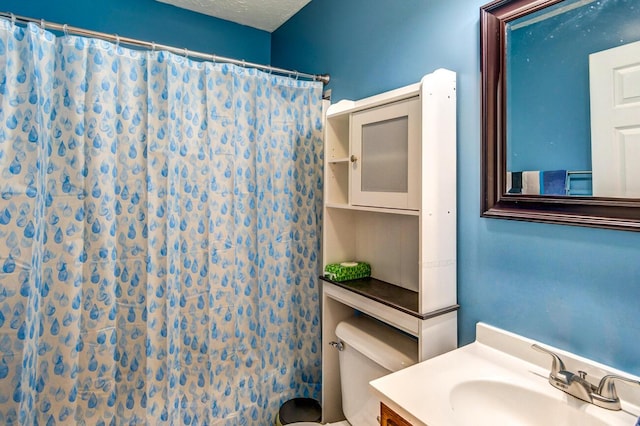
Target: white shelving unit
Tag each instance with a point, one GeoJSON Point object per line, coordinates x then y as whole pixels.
{"type": "Point", "coordinates": [412, 252]}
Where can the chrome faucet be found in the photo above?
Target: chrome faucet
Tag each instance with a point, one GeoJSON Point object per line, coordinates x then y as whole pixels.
{"type": "Point", "coordinates": [604, 395]}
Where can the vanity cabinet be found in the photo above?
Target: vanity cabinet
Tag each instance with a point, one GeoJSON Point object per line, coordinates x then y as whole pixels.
{"type": "Point", "coordinates": [388, 417]}
{"type": "Point", "coordinates": [406, 230]}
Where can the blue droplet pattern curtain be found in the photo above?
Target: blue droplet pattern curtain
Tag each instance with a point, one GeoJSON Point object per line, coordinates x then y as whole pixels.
{"type": "Point", "coordinates": [159, 237]}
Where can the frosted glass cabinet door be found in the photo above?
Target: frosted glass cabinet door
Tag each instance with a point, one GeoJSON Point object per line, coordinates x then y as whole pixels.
{"type": "Point", "coordinates": [385, 156]}
{"type": "Point", "coordinates": [385, 147]}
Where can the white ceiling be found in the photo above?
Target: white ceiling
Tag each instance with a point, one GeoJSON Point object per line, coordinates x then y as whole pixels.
{"type": "Point", "coordinates": [265, 15]}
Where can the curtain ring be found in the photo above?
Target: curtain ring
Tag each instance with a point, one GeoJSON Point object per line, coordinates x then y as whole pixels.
{"type": "Point", "coordinates": [43, 25]}
{"type": "Point", "coordinates": [213, 59]}
{"type": "Point", "coordinates": [117, 40]}
{"type": "Point", "coordinates": [186, 53]}
{"type": "Point", "coordinates": [153, 46]}
{"type": "Point", "coordinates": [65, 30]}
{"type": "Point", "coordinates": [244, 63]}
{"type": "Point", "coordinates": [13, 19]}
{"type": "Point", "coordinates": [297, 74]}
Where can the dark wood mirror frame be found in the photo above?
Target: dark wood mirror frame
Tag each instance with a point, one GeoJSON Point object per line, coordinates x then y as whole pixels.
{"type": "Point", "coordinates": [613, 213]}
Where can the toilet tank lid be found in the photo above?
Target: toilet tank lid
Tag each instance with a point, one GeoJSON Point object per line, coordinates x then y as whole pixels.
{"type": "Point", "coordinates": [381, 343]}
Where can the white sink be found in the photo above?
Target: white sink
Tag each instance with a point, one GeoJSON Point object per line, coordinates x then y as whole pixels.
{"type": "Point", "coordinates": [500, 403]}
{"type": "Point", "coordinates": [499, 380]}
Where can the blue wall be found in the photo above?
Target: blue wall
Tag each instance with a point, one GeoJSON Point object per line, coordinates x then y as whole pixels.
{"type": "Point", "coordinates": [150, 20]}
{"type": "Point", "coordinates": [571, 287]}
{"type": "Point", "coordinates": [548, 76]}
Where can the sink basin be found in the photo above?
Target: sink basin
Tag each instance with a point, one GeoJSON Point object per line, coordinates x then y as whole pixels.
{"type": "Point", "coordinates": [487, 402]}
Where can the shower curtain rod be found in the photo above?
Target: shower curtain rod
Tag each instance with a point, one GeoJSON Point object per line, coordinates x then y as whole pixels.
{"type": "Point", "coordinates": [67, 29]}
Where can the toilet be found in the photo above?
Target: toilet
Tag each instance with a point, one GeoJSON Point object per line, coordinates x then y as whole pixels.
{"type": "Point", "coordinates": [368, 350]}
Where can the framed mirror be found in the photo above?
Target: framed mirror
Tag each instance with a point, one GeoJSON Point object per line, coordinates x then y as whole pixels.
{"type": "Point", "coordinates": [561, 111]}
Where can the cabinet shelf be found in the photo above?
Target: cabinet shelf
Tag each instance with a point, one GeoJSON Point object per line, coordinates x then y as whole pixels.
{"type": "Point", "coordinates": [372, 209]}
{"type": "Point", "coordinates": [338, 160]}
{"type": "Point", "coordinates": [389, 294]}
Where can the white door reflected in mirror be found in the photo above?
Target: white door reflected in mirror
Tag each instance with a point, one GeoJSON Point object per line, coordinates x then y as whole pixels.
{"type": "Point", "coordinates": [614, 79]}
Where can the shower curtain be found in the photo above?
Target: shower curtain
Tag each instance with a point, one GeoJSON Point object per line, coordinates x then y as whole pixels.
{"type": "Point", "coordinates": [158, 236]}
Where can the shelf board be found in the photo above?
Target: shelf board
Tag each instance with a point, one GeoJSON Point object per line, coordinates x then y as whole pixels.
{"type": "Point", "coordinates": [388, 294]}
{"type": "Point", "coordinates": [372, 209]}
{"type": "Point", "coordinates": [338, 160]}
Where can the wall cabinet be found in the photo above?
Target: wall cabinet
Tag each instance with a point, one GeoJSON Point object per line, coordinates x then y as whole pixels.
{"type": "Point", "coordinates": [412, 247]}
{"type": "Point", "coordinates": [400, 217]}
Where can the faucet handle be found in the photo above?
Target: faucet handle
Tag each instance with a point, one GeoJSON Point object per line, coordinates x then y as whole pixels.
{"type": "Point", "coordinates": [558, 370]}
{"type": "Point", "coordinates": [607, 388]}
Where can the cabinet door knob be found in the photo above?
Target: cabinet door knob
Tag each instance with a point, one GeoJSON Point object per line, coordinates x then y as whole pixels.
{"type": "Point", "coordinates": [354, 158]}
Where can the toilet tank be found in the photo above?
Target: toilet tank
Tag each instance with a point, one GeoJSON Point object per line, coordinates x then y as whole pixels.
{"type": "Point", "coordinates": [370, 350]}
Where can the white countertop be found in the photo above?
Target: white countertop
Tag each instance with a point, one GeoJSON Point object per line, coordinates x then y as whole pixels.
{"type": "Point", "coordinates": [421, 393]}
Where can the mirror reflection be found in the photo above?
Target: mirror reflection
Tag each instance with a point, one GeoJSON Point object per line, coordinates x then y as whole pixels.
{"type": "Point", "coordinates": [573, 100]}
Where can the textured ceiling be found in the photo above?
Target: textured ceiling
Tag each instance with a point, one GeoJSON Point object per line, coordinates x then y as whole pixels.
{"type": "Point", "coordinates": [265, 15]}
